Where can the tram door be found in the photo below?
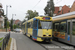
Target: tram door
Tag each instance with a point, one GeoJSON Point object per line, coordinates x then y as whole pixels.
{"type": "Point", "coordinates": [35, 29]}
{"type": "Point", "coordinates": [69, 29]}
{"type": "Point", "coordinates": [73, 31]}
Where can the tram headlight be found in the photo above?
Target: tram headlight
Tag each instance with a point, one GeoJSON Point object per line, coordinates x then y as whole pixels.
{"type": "Point", "coordinates": [49, 35]}
{"type": "Point", "coordinates": [44, 35]}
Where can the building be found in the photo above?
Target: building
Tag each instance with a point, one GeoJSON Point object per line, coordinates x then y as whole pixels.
{"type": "Point", "coordinates": [1, 17]}
{"type": "Point", "coordinates": [1, 22]}
{"type": "Point", "coordinates": [16, 21]}
{"type": "Point", "coordinates": [61, 10]}
{"type": "Point", "coordinates": [56, 11]}
{"type": "Point", "coordinates": [65, 9]}
{"type": "Point", "coordinates": [73, 7]}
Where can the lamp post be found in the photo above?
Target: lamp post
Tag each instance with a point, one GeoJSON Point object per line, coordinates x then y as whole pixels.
{"type": "Point", "coordinates": [7, 15]}
{"type": "Point", "coordinates": [12, 20]}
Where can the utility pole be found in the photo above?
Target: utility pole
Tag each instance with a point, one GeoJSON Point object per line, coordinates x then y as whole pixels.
{"type": "Point", "coordinates": [6, 16]}
{"type": "Point", "coordinates": [12, 21]}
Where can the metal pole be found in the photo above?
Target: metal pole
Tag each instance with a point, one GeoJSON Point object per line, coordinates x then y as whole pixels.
{"type": "Point", "coordinates": [12, 22]}
{"type": "Point", "coordinates": [6, 16]}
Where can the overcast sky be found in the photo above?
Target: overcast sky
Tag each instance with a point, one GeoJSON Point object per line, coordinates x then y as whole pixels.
{"type": "Point", "coordinates": [20, 7]}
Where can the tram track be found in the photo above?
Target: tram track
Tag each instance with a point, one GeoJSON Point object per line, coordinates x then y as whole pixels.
{"type": "Point", "coordinates": [46, 45]}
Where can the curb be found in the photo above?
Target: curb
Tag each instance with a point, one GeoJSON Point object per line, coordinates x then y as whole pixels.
{"type": "Point", "coordinates": [4, 32]}
{"type": "Point", "coordinates": [13, 44]}
{"type": "Point", "coordinates": [7, 32]}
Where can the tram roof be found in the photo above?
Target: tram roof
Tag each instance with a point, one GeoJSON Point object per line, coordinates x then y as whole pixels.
{"type": "Point", "coordinates": [64, 16]}
{"type": "Point", "coordinates": [38, 17]}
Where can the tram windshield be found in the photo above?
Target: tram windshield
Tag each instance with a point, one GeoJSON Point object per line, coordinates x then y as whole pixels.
{"type": "Point", "coordinates": [46, 24]}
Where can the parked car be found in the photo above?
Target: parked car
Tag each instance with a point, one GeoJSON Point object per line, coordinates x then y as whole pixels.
{"type": "Point", "coordinates": [17, 30]}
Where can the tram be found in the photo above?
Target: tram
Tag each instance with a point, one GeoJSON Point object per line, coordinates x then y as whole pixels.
{"type": "Point", "coordinates": [39, 28]}
{"type": "Point", "coordinates": [64, 28]}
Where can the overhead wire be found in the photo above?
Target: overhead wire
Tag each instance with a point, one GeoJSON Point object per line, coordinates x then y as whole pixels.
{"type": "Point", "coordinates": [59, 1]}
{"type": "Point", "coordinates": [36, 4]}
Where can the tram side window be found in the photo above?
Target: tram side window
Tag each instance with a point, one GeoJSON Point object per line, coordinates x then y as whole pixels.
{"type": "Point", "coordinates": [68, 28]}
{"type": "Point", "coordinates": [73, 29]}
{"type": "Point", "coordinates": [35, 24]}
{"type": "Point", "coordinates": [53, 27]}
{"type": "Point", "coordinates": [22, 27]}
{"type": "Point", "coordinates": [39, 25]}
{"type": "Point", "coordinates": [63, 27]}
{"type": "Point", "coordinates": [30, 25]}
{"type": "Point", "coordinates": [56, 26]}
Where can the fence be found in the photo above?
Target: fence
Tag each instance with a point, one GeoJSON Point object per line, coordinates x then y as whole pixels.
{"type": "Point", "coordinates": [4, 41]}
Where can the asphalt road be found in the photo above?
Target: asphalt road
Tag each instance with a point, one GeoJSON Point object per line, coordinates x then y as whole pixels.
{"type": "Point", "coordinates": [24, 43]}
{"type": "Point", "coordinates": [2, 34]}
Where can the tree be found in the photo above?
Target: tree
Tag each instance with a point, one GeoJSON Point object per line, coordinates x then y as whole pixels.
{"type": "Point", "coordinates": [11, 25]}
{"type": "Point", "coordinates": [7, 24]}
{"type": "Point", "coordinates": [31, 14]}
{"type": "Point", "coordinates": [49, 9]}
{"type": "Point", "coordinates": [14, 26]}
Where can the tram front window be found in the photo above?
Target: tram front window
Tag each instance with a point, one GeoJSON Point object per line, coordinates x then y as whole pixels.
{"type": "Point", "coordinates": [46, 24]}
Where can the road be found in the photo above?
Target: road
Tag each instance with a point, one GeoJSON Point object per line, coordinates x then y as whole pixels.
{"type": "Point", "coordinates": [25, 43]}
{"type": "Point", "coordinates": [2, 34]}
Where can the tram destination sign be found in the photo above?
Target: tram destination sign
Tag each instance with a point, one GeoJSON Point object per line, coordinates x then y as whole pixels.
{"type": "Point", "coordinates": [46, 18]}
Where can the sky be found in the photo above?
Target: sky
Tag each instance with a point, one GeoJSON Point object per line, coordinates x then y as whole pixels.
{"type": "Point", "coordinates": [20, 7]}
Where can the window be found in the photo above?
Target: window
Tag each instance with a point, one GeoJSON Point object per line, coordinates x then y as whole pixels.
{"type": "Point", "coordinates": [56, 27]}
{"type": "Point", "coordinates": [39, 25]}
{"type": "Point", "coordinates": [35, 24]}
{"type": "Point", "coordinates": [46, 24]}
{"type": "Point", "coordinates": [73, 29]}
{"type": "Point", "coordinates": [68, 28]}
{"type": "Point", "coordinates": [63, 27]}
{"type": "Point", "coordinates": [53, 26]}
{"type": "Point", "coordinates": [30, 25]}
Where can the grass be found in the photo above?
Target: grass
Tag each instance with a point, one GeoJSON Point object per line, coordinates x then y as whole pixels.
{"type": "Point", "coordinates": [1, 42]}
{"type": "Point", "coordinates": [9, 43]}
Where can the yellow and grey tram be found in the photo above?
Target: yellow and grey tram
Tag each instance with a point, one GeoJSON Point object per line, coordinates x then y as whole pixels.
{"type": "Point", "coordinates": [64, 28]}
{"type": "Point", "coordinates": [39, 28]}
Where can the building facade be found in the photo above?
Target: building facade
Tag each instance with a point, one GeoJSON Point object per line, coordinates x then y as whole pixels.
{"type": "Point", "coordinates": [1, 17]}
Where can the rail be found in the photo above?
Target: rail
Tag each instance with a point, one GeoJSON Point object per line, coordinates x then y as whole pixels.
{"type": "Point", "coordinates": [4, 41]}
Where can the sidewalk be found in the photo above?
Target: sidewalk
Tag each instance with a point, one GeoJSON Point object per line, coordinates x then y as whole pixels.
{"type": "Point", "coordinates": [13, 44]}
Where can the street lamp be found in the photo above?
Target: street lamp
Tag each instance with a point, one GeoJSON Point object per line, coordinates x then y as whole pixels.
{"type": "Point", "coordinates": [7, 15]}
{"type": "Point", "coordinates": [12, 20]}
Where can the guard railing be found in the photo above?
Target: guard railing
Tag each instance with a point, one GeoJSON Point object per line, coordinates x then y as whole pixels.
{"type": "Point", "coordinates": [4, 41]}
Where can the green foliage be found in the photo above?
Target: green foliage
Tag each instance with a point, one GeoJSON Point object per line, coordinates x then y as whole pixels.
{"type": "Point", "coordinates": [7, 24]}
{"type": "Point", "coordinates": [11, 25]}
{"type": "Point", "coordinates": [31, 14]}
{"type": "Point", "coordinates": [1, 42]}
{"type": "Point", "coordinates": [15, 26]}
{"type": "Point", "coordinates": [49, 9]}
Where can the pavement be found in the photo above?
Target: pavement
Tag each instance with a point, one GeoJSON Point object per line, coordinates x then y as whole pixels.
{"type": "Point", "coordinates": [13, 41]}
{"type": "Point", "coordinates": [13, 44]}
